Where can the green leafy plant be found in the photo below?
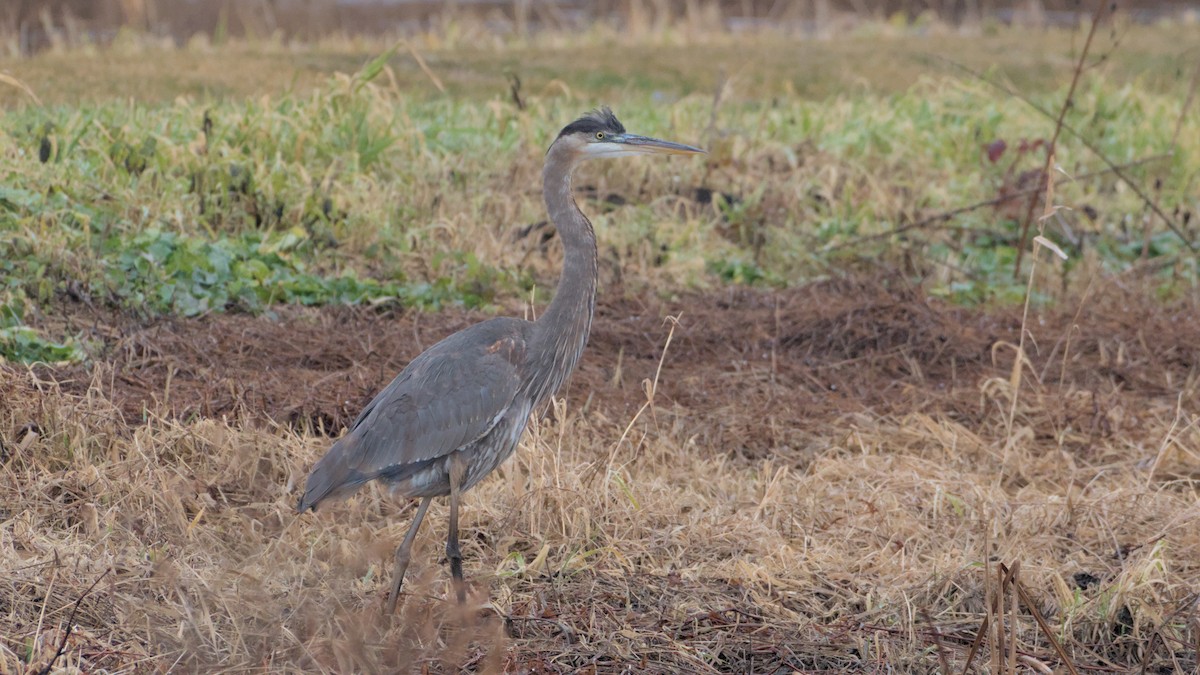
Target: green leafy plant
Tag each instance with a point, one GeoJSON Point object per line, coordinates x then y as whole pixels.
{"type": "Point", "coordinates": [19, 342]}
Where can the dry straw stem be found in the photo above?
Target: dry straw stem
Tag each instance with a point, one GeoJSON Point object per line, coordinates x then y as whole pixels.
{"type": "Point", "coordinates": [761, 521]}
{"type": "Point", "coordinates": [1049, 209]}
{"type": "Point", "coordinates": [14, 82]}
{"type": "Point", "coordinates": [1022, 360]}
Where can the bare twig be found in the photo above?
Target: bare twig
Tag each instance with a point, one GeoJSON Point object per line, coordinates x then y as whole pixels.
{"type": "Point", "coordinates": [1187, 103]}
{"type": "Point", "coordinates": [1183, 111]}
{"type": "Point", "coordinates": [1068, 103]}
{"type": "Point", "coordinates": [514, 88]}
{"type": "Point", "coordinates": [1041, 622]}
{"type": "Point", "coordinates": [62, 645]}
{"type": "Point", "coordinates": [947, 215]}
{"type": "Point", "coordinates": [1012, 614]}
{"type": "Point", "coordinates": [983, 626]}
{"type": "Point", "coordinates": [1149, 651]}
{"type": "Point", "coordinates": [1112, 166]}
{"type": "Point", "coordinates": [995, 605]}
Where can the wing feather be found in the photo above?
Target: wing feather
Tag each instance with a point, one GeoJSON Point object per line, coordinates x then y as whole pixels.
{"type": "Point", "coordinates": [446, 398]}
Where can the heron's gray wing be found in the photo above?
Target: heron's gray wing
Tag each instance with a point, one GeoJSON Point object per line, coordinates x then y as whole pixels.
{"type": "Point", "coordinates": [449, 396]}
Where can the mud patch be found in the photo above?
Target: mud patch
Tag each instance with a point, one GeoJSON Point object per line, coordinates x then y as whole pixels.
{"type": "Point", "coordinates": [750, 370]}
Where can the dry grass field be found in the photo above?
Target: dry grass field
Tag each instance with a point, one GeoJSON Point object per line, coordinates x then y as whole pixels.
{"type": "Point", "coordinates": [824, 481]}
{"type": "Point", "coordinates": [815, 429]}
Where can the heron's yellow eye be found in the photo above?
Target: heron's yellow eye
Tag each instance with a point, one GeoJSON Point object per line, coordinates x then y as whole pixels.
{"type": "Point", "coordinates": [599, 135]}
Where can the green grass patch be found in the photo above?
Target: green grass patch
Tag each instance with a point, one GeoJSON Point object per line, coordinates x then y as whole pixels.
{"type": "Point", "coordinates": [167, 272]}
{"type": "Point", "coordinates": [360, 190]}
{"type": "Point", "coordinates": [19, 342]}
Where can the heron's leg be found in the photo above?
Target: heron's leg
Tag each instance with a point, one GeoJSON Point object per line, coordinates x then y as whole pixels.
{"type": "Point", "coordinates": [402, 553]}
{"type": "Point", "coordinates": [453, 552]}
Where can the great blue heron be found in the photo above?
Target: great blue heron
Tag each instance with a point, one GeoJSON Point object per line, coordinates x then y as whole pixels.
{"type": "Point", "coordinates": [457, 411]}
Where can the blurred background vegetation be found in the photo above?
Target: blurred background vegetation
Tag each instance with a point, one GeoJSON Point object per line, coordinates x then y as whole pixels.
{"type": "Point", "coordinates": [32, 25]}
{"type": "Point", "coordinates": [193, 157]}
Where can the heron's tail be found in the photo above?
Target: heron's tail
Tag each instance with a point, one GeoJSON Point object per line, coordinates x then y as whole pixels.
{"type": "Point", "coordinates": [331, 477]}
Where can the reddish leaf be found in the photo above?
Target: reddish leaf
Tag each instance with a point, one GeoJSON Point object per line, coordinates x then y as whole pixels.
{"type": "Point", "coordinates": [995, 150]}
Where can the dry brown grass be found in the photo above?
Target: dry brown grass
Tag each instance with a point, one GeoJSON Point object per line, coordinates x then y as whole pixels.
{"type": "Point", "coordinates": [476, 65]}
{"type": "Point", "coordinates": [828, 478]}
{"type": "Point", "coordinates": [822, 479]}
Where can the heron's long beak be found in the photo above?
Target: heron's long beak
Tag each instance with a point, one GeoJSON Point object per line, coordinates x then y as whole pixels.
{"type": "Point", "coordinates": [644, 145]}
{"type": "Point", "coordinates": [628, 145]}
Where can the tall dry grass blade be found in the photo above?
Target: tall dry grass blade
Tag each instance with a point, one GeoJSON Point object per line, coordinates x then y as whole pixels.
{"type": "Point", "coordinates": [41, 622]}
{"type": "Point", "coordinates": [649, 387]}
{"type": "Point", "coordinates": [943, 660]}
{"type": "Point", "coordinates": [1012, 614]}
{"type": "Point", "coordinates": [1193, 620]}
{"type": "Point", "coordinates": [1045, 627]}
{"type": "Point", "coordinates": [976, 643]}
{"type": "Point", "coordinates": [1149, 651]}
{"type": "Point", "coordinates": [1066, 355]}
{"type": "Point", "coordinates": [1053, 247]}
{"type": "Point", "coordinates": [999, 630]}
{"type": "Point", "coordinates": [1016, 376]}
{"type": "Point", "coordinates": [12, 81]}
{"type": "Point", "coordinates": [425, 67]}
{"type": "Point", "coordinates": [989, 593]}
{"type": "Point", "coordinates": [62, 645]}
{"type": "Point", "coordinates": [1167, 443]}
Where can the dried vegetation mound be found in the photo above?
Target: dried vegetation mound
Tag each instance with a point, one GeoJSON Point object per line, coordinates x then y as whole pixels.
{"type": "Point", "coordinates": [825, 478]}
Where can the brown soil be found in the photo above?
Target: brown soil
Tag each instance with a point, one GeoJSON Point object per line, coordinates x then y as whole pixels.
{"type": "Point", "coordinates": [747, 365]}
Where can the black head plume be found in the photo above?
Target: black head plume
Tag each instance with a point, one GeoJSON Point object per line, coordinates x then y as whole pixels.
{"type": "Point", "coordinates": [601, 119]}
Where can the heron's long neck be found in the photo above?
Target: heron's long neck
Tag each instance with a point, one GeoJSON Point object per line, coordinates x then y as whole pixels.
{"type": "Point", "coordinates": [562, 331]}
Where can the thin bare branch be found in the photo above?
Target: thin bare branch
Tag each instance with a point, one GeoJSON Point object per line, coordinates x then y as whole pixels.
{"type": "Point", "coordinates": [1068, 103]}
{"type": "Point", "coordinates": [62, 645]}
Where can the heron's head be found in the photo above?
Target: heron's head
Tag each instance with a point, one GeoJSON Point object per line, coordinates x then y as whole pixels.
{"type": "Point", "coordinates": [600, 134]}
